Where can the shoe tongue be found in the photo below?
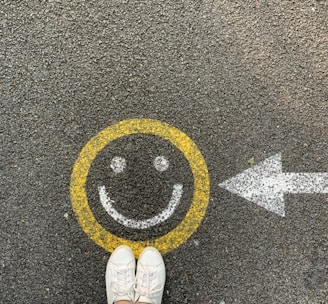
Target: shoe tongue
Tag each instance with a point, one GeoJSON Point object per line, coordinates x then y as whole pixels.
{"type": "Point", "coordinates": [144, 299]}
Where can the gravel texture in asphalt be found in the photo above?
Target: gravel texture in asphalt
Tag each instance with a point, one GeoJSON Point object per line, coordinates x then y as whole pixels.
{"type": "Point", "coordinates": [245, 80]}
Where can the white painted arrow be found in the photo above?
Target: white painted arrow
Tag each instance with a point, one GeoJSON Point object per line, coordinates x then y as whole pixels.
{"type": "Point", "coordinates": [265, 184]}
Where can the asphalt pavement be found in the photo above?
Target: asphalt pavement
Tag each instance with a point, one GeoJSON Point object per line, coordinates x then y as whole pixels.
{"type": "Point", "coordinates": [119, 120]}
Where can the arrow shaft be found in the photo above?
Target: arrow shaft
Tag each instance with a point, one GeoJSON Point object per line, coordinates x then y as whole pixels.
{"type": "Point", "coordinates": [305, 182]}
{"type": "Point", "coordinates": [265, 184]}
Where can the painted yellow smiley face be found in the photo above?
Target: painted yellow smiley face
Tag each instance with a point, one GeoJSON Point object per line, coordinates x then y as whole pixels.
{"type": "Point", "coordinates": [193, 217]}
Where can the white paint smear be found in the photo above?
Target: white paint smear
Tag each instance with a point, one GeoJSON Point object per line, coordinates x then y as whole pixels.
{"type": "Point", "coordinates": [265, 184]}
{"type": "Point", "coordinates": [107, 203]}
{"type": "Point", "coordinates": [118, 164]}
{"type": "Point", "coordinates": [161, 164]}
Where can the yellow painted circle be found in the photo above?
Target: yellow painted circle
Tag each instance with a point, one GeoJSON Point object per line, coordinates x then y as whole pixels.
{"type": "Point", "coordinates": [181, 141]}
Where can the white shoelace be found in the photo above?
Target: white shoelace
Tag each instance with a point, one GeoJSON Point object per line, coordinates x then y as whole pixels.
{"type": "Point", "coordinates": [123, 285]}
{"type": "Point", "coordinates": [147, 285]}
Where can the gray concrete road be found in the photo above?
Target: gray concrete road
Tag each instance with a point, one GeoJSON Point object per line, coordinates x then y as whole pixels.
{"type": "Point", "coordinates": [245, 80]}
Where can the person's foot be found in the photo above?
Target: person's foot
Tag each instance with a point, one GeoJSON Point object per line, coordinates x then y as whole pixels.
{"type": "Point", "coordinates": [150, 277]}
{"type": "Point", "coordinates": [120, 275]}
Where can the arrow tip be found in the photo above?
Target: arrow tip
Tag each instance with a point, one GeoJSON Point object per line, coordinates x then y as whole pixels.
{"type": "Point", "coordinates": [254, 185]}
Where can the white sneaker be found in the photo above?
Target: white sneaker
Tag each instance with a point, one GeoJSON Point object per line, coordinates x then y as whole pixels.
{"type": "Point", "coordinates": [150, 277]}
{"type": "Point", "coordinates": [120, 275]}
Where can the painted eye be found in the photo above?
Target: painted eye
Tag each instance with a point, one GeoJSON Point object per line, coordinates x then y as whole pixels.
{"type": "Point", "coordinates": [118, 164]}
{"type": "Point", "coordinates": [161, 163]}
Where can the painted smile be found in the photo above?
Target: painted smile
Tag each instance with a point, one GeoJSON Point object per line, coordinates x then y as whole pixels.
{"type": "Point", "coordinates": [107, 203]}
{"type": "Point", "coordinates": [118, 165]}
